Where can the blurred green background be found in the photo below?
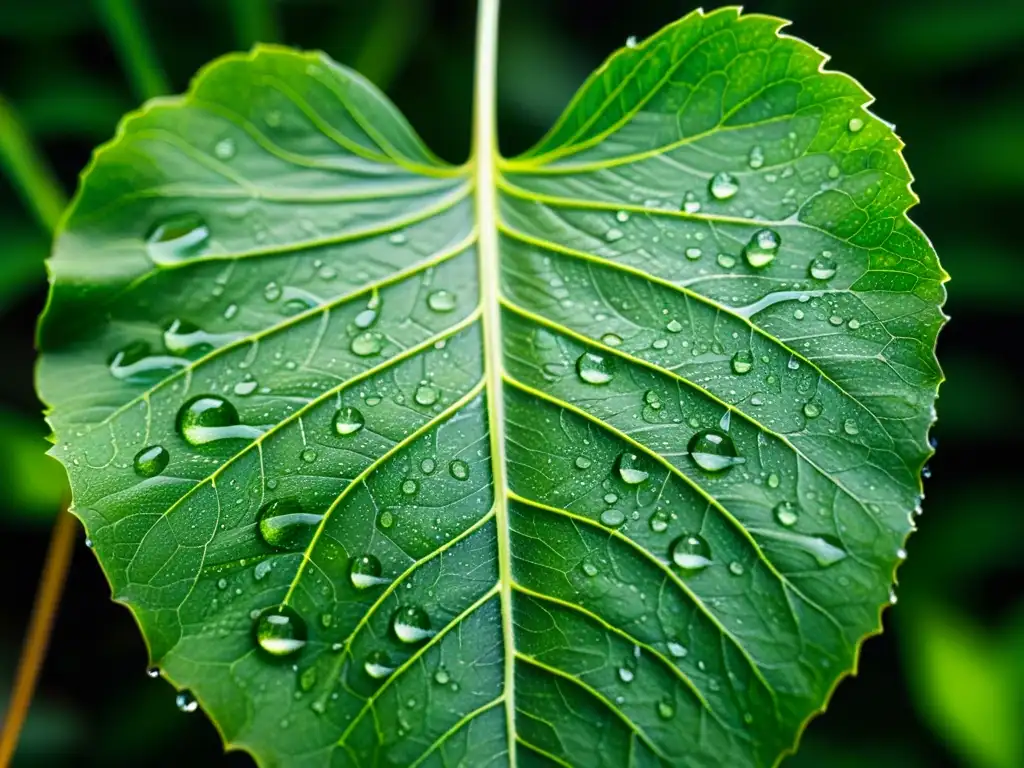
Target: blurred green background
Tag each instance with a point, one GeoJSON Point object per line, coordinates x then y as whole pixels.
{"type": "Point", "coordinates": [943, 687]}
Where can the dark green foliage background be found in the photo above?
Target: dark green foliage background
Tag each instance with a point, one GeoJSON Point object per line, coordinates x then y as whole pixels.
{"type": "Point", "coordinates": [942, 687]}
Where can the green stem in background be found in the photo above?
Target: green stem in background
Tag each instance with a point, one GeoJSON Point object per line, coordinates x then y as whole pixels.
{"type": "Point", "coordinates": [28, 171]}
{"type": "Point", "coordinates": [388, 42]}
{"type": "Point", "coordinates": [254, 21]}
{"type": "Point", "coordinates": [127, 33]}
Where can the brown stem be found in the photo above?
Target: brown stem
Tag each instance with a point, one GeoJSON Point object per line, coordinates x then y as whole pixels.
{"type": "Point", "coordinates": [51, 585]}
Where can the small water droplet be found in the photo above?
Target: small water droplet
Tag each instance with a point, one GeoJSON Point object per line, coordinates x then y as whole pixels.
{"type": "Point", "coordinates": [742, 362]}
{"type": "Point", "coordinates": [224, 149]}
{"type": "Point", "coordinates": [386, 519]}
{"type": "Point", "coordinates": [691, 552]}
{"type": "Point", "coordinates": [786, 513]}
{"type": "Point", "coordinates": [693, 253]}
{"type": "Point", "coordinates": [713, 451]}
{"type": "Point", "coordinates": [582, 462]}
{"type": "Point", "coordinates": [726, 260]}
{"type": "Point", "coordinates": [590, 569]}
{"type": "Point", "coordinates": [665, 709]}
{"type": "Point", "coordinates": [244, 388]}
{"type": "Point", "coordinates": [773, 480]}
{"type": "Point", "coordinates": [272, 291]}
{"type": "Point", "coordinates": [365, 571]}
{"type": "Point", "coordinates": [622, 217]}
{"type": "Point", "coordinates": [593, 368]}
{"type": "Point", "coordinates": [134, 363]}
{"type": "Point", "coordinates": [441, 676]}
{"type": "Point", "coordinates": [308, 455]}
{"type": "Point", "coordinates": [458, 469]}
{"type": "Point", "coordinates": [826, 550]}
{"type": "Point", "coordinates": [348, 421]}
{"type": "Point", "coordinates": [723, 186]}
{"type": "Point", "coordinates": [690, 203]}
{"type": "Point", "coordinates": [626, 674]}
{"type": "Point", "coordinates": [378, 665]}
{"type": "Point", "coordinates": [365, 319]}
{"type": "Point", "coordinates": [613, 234]}
{"type": "Point", "coordinates": [426, 394]}
{"type": "Point", "coordinates": [850, 427]}
{"type": "Point", "coordinates": [283, 524]}
{"type": "Point", "coordinates": [612, 518]}
{"type": "Point", "coordinates": [186, 702]}
{"type": "Point", "coordinates": [812, 409]}
{"type": "Point", "coordinates": [151, 461]}
{"type": "Point", "coordinates": [177, 239]}
{"type": "Point", "coordinates": [762, 248]}
{"type": "Point", "coordinates": [611, 340]}
{"type": "Point", "coordinates": [628, 465]}
{"type": "Point", "coordinates": [756, 157]}
{"type": "Point", "coordinates": [398, 238]}
{"type": "Point", "coordinates": [822, 267]}
{"type": "Point", "coordinates": [427, 466]}
{"type": "Point", "coordinates": [659, 521]}
{"type": "Point", "coordinates": [367, 344]}
{"type": "Point", "coordinates": [153, 672]}
{"type": "Point", "coordinates": [442, 301]}
{"type": "Point", "coordinates": [855, 124]}
{"type": "Point", "coordinates": [678, 650]}
{"type": "Point", "coordinates": [410, 487]}
{"type": "Point", "coordinates": [410, 624]}
{"type": "Point", "coordinates": [280, 631]}
{"type": "Point", "coordinates": [631, 41]}
{"type": "Point", "coordinates": [736, 568]}
{"type": "Point", "coordinates": [674, 326]}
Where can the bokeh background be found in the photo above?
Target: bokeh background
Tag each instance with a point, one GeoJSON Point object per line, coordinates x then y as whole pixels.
{"type": "Point", "coordinates": [943, 687]}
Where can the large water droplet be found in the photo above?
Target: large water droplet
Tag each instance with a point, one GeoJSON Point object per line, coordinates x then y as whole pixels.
{"type": "Point", "coordinates": [183, 338]}
{"type": "Point", "coordinates": [612, 518]}
{"type": "Point", "coordinates": [593, 368]}
{"type": "Point", "coordinates": [762, 248]}
{"type": "Point", "coordinates": [411, 624]}
{"type": "Point", "coordinates": [441, 301]}
{"type": "Point", "coordinates": [378, 665]}
{"type": "Point", "coordinates": [283, 524]}
{"type": "Point", "coordinates": [723, 186]}
{"type": "Point", "coordinates": [348, 421]}
{"type": "Point", "coordinates": [822, 267]}
{"type": "Point", "coordinates": [207, 418]}
{"type": "Point", "coordinates": [280, 631]}
{"type": "Point", "coordinates": [186, 702]}
{"type": "Point", "coordinates": [742, 362]}
{"type": "Point", "coordinates": [458, 469]}
{"type": "Point", "coordinates": [628, 465]}
{"type": "Point", "coordinates": [365, 572]}
{"type": "Point", "coordinates": [786, 513]}
{"type": "Point", "coordinates": [367, 344]}
{"type": "Point", "coordinates": [826, 550]}
{"type": "Point", "coordinates": [178, 238]}
{"type": "Point", "coordinates": [713, 451]}
{"type": "Point", "coordinates": [691, 552]}
{"type": "Point", "coordinates": [151, 461]}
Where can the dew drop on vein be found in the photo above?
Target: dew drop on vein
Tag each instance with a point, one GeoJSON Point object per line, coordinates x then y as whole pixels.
{"type": "Point", "coordinates": [207, 418]}
{"type": "Point", "coordinates": [284, 524]}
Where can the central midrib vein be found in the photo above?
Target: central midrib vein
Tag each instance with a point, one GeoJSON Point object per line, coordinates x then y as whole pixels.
{"type": "Point", "coordinates": [485, 153]}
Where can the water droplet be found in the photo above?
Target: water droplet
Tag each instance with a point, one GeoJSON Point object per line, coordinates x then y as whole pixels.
{"type": "Point", "coordinates": [153, 672]}
{"type": "Point", "coordinates": [261, 570]}
{"type": "Point", "coordinates": [134, 363]}
{"type": "Point", "coordinates": [723, 186]}
{"type": "Point", "coordinates": [386, 519]}
{"type": "Point", "coordinates": [631, 41]}
{"type": "Point", "coordinates": [762, 248]}
{"type": "Point", "coordinates": [284, 525]}
{"type": "Point", "coordinates": [742, 362]}
{"type": "Point", "coordinates": [713, 451]}
{"type": "Point", "coordinates": [178, 238]}
{"type": "Point", "coordinates": [659, 521]}
{"type": "Point", "coordinates": [207, 418]}
{"type": "Point", "coordinates": [365, 572]}
{"type": "Point", "coordinates": [773, 480]}
{"type": "Point", "coordinates": [613, 234]}
{"type": "Point", "coordinates": [726, 260]}
{"type": "Point", "coordinates": [822, 267]}
{"type": "Point", "coordinates": [674, 326]}
{"type": "Point", "coordinates": [426, 394]}
{"type": "Point", "coordinates": [307, 680]}
{"type": "Point", "coordinates": [183, 338]}
{"type": "Point", "coordinates": [88, 543]}
{"type": "Point", "coordinates": [678, 650]}
{"type": "Point", "coordinates": [398, 238]}
{"type": "Point", "coordinates": [427, 466]}
{"type": "Point", "coordinates": [365, 319]}
{"type": "Point", "coordinates": [441, 301]}
{"type": "Point", "coordinates": [410, 487]}
{"type": "Point", "coordinates": [826, 550]}
{"type": "Point", "coordinates": [366, 344]}
{"type": "Point", "coordinates": [786, 513]}
{"type": "Point", "coordinates": [612, 518]}
{"type": "Point", "coordinates": [272, 291]}
{"type": "Point", "coordinates": [151, 461]}
{"type": "Point", "coordinates": [224, 149]}
{"type": "Point", "coordinates": [244, 388]}
{"type": "Point", "coordinates": [691, 552]}
{"type": "Point", "coordinates": [693, 253]}
{"type": "Point", "coordinates": [611, 340]}
{"type": "Point", "coordinates": [622, 217]}
{"type": "Point", "coordinates": [665, 709]}
{"type": "Point", "coordinates": [756, 158]}
{"type": "Point", "coordinates": [308, 455]}
{"type": "Point", "coordinates": [593, 368]}
{"type": "Point", "coordinates": [798, 314]}
{"type": "Point", "coordinates": [736, 568]}
{"type": "Point", "coordinates": [582, 462]}
{"type": "Point", "coordinates": [855, 124]}
{"type": "Point", "coordinates": [280, 631]}
{"type": "Point", "coordinates": [850, 427]}
{"type": "Point", "coordinates": [378, 665]}
{"type": "Point", "coordinates": [441, 676]}
{"type": "Point", "coordinates": [459, 469]}
{"type": "Point", "coordinates": [411, 624]}
{"type": "Point", "coordinates": [690, 203]}
{"type": "Point", "coordinates": [222, 583]}
{"type": "Point", "coordinates": [628, 466]}
{"type": "Point", "coordinates": [626, 674]}
{"type": "Point", "coordinates": [186, 702]}
{"type": "Point", "coordinates": [812, 410]}
{"type": "Point", "coordinates": [348, 421]}
{"type": "Point", "coordinates": [590, 569]}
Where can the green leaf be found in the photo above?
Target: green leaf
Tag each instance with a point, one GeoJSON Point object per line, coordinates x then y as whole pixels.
{"type": "Point", "coordinates": [594, 456]}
